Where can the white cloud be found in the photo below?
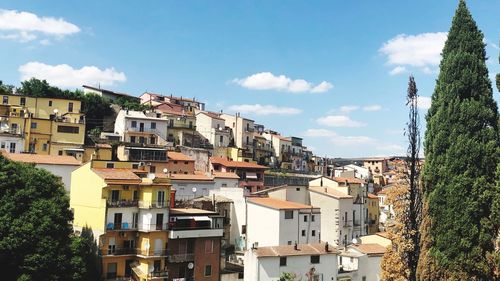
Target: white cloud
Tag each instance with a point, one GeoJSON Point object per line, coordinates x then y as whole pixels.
{"type": "Point", "coordinates": [422, 51]}
{"type": "Point", "coordinates": [338, 121]}
{"type": "Point", "coordinates": [45, 42]}
{"type": "Point", "coordinates": [259, 109]}
{"type": "Point", "coordinates": [374, 107]}
{"type": "Point", "coordinates": [424, 102]}
{"type": "Point", "coordinates": [65, 76]}
{"type": "Point", "coordinates": [269, 81]}
{"type": "Point", "coordinates": [23, 26]}
{"type": "Point", "coordinates": [348, 108]}
{"type": "Point", "coordinates": [397, 70]}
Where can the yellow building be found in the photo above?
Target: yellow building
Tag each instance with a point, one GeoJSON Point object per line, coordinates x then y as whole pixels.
{"type": "Point", "coordinates": [373, 213]}
{"type": "Point", "coordinates": [128, 211]}
{"type": "Point", "coordinates": [49, 126]}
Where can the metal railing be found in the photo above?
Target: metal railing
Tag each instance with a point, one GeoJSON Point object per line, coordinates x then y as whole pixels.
{"type": "Point", "coordinates": [152, 252]}
{"type": "Point", "coordinates": [153, 204]}
{"type": "Point", "coordinates": [121, 226]}
{"type": "Point", "coordinates": [122, 203]}
{"type": "Point", "coordinates": [153, 227]}
{"type": "Point", "coordinates": [180, 257]}
{"type": "Point", "coordinates": [159, 273]}
{"type": "Point", "coordinates": [118, 251]}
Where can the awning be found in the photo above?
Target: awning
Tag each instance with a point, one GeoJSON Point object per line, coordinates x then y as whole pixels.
{"type": "Point", "coordinates": [196, 218]}
{"type": "Point", "coordinates": [147, 148]}
{"type": "Point", "coordinates": [251, 175]}
{"type": "Point", "coordinates": [73, 149]}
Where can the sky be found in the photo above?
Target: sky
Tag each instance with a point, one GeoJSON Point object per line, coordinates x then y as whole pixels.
{"type": "Point", "coordinates": [332, 72]}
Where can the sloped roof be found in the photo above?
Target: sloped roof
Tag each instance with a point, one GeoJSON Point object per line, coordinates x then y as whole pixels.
{"type": "Point", "coordinates": [178, 156]}
{"type": "Point", "coordinates": [226, 175]}
{"type": "Point", "coordinates": [116, 174]}
{"type": "Point", "coordinates": [190, 211]}
{"type": "Point", "coordinates": [42, 159]}
{"type": "Point", "coordinates": [235, 164]}
{"type": "Point", "coordinates": [218, 199]}
{"type": "Point", "coordinates": [190, 177]}
{"type": "Point", "coordinates": [302, 250]}
{"type": "Point", "coordinates": [213, 115]}
{"type": "Point", "coordinates": [372, 196]}
{"type": "Point", "coordinates": [348, 180]}
{"type": "Point", "coordinates": [370, 249]}
{"type": "Point", "coordinates": [330, 192]}
{"type": "Point", "coordinates": [278, 204]}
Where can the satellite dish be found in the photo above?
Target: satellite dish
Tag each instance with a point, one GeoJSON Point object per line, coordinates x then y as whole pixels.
{"type": "Point", "coordinates": [56, 111]}
{"type": "Point", "coordinates": [193, 189]}
{"type": "Point", "coordinates": [356, 241]}
{"type": "Point", "coordinates": [165, 170]}
{"type": "Point", "coordinates": [190, 265]}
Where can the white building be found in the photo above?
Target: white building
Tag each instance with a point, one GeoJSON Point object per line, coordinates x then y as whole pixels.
{"type": "Point", "coordinates": [272, 222]}
{"type": "Point", "coordinates": [61, 166]}
{"type": "Point", "coordinates": [357, 172]}
{"type": "Point", "coordinates": [225, 179]}
{"type": "Point", "coordinates": [189, 186]}
{"type": "Point", "coordinates": [337, 228]}
{"type": "Point", "coordinates": [242, 130]}
{"type": "Point", "coordinates": [213, 127]}
{"type": "Point", "coordinates": [316, 261]}
{"type": "Point", "coordinates": [360, 262]}
{"type": "Point", "coordinates": [137, 127]}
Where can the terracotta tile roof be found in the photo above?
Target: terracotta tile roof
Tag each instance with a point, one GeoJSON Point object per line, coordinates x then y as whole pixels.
{"type": "Point", "coordinates": [349, 180]}
{"type": "Point", "coordinates": [372, 196]}
{"type": "Point", "coordinates": [218, 199]}
{"type": "Point", "coordinates": [190, 211]}
{"type": "Point", "coordinates": [213, 115]}
{"type": "Point", "coordinates": [370, 249]}
{"type": "Point", "coordinates": [177, 156]}
{"type": "Point", "coordinates": [382, 192]}
{"type": "Point", "coordinates": [190, 177]}
{"type": "Point", "coordinates": [235, 164]}
{"type": "Point", "coordinates": [102, 145]}
{"type": "Point", "coordinates": [302, 250]}
{"type": "Point", "coordinates": [330, 192]}
{"type": "Point", "coordinates": [41, 159]}
{"type": "Point", "coordinates": [383, 234]}
{"type": "Point", "coordinates": [224, 175]}
{"type": "Point", "coordinates": [278, 204]}
{"type": "Point", "coordinates": [169, 108]}
{"type": "Point", "coordinates": [116, 174]}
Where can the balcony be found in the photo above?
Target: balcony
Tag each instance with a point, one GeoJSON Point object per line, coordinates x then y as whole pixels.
{"type": "Point", "coordinates": [152, 252]}
{"type": "Point", "coordinates": [118, 252]}
{"type": "Point", "coordinates": [124, 226]}
{"type": "Point", "coordinates": [194, 233]}
{"type": "Point", "coordinates": [153, 227]}
{"type": "Point", "coordinates": [181, 126]}
{"type": "Point", "coordinates": [158, 274]}
{"type": "Point", "coordinates": [113, 277]}
{"type": "Point", "coordinates": [180, 257]}
{"type": "Point", "coordinates": [12, 131]}
{"type": "Point", "coordinates": [122, 203]}
{"type": "Point", "coordinates": [153, 204]}
{"type": "Point", "coordinates": [143, 130]}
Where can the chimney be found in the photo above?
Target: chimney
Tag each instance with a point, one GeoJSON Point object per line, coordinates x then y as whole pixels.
{"type": "Point", "coordinates": [327, 249]}
{"type": "Point", "coordinates": [295, 246]}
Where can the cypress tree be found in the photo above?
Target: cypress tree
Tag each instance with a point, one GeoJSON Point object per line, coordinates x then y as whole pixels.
{"type": "Point", "coordinates": [461, 156]}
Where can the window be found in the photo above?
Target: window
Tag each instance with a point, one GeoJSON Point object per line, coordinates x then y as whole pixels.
{"type": "Point", "coordinates": [135, 166]}
{"type": "Point", "coordinates": [45, 146]}
{"type": "Point", "coordinates": [12, 148]}
{"type": "Point", "coordinates": [312, 217]}
{"type": "Point", "coordinates": [70, 107]}
{"type": "Point", "coordinates": [186, 162]}
{"type": "Point", "coordinates": [60, 152]}
{"type": "Point", "coordinates": [5, 100]}
{"type": "Point", "coordinates": [111, 273]}
{"type": "Point", "coordinates": [2, 145]}
{"type": "Point", "coordinates": [175, 162]}
{"type": "Point", "coordinates": [282, 261]}
{"type": "Point", "coordinates": [68, 129]}
{"type": "Point", "coordinates": [132, 139]}
{"type": "Point", "coordinates": [305, 218]}
{"type": "Point", "coordinates": [243, 229]}
{"type": "Point", "coordinates": [33, 125]}
{"type": "Point", "coordinates": [208, 270]}
{"type": "Point", "coordinates": [190, 124]}
{"type": "Point", "coordinates": [363, 278]}
{"type": "Point", "coordinates": [303, 233]}
{"type": "Point", "coordinates": [289, 243]}
{"type": "Point", "coordinates": [110, 165]}
{"type": "Point", "coordinates": [224, 185]}
{"type": "Point", "coordinates": [133, 124]}
{"type": "Point", "coordinates": [314, 259]}
{"type": "Point", "coordinates": [288, 215]}
{"type": "Point", "coordinates": [22, 101]}
{"type": "Point", "coordinates": [297, 189]}
{"type": "Point", "coordinates": [209, 246]}
{"type": "Point", "coordinates": [313, 233]}
{"type": "Point", "coordinates": [152, 169]}
{"type": "Point", "coordinates": [50, 103]}
{"type": "Point", "coordinates": [221, 140]}
{"type": "Point", "coordinates": [153, 125]}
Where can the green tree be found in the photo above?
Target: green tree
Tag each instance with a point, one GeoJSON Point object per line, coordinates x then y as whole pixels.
{"type": "Point", "coordinates": [461, 155]}
{"type": "Point", "coordinates": [85, 262]}
{"type": "Point", "coordinates": [34, 224]}
{"type": "Point", "coordinates": [5, 89]}
{"type": "Point", "coordinates": [131, 103]}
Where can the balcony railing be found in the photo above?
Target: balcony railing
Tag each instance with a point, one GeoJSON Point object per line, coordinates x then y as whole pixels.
{"type": "Point", "coordinates": [114, 277]}
{"type": "Point", "coordinates": [152, 252]}
{"type": "Point", "coordinates": [153, 204]}
{"type": "Point", "coordinates": [121, 226]}
{"type": "Point", "coordinates": [157, 274]}
{"type": "Point", "coordinates": [153, 227]}
{"type": "Point", "coordinates": [181, 126]}
{"type": "Point", "coordinates": [118, 252]}
{"type": "Point", "coordinates": [122, 203]}
{"type": "Point", "coordinates": [180, 257]}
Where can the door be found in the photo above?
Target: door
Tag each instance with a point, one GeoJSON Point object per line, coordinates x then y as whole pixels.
{"type": "Point", "coordinates": [158, 247]}
{"type": "Point", "coordinates": [141, 127]}
{"type": "Point", "coordinates": [135, 220]}
{"type": "Point", "coordinates": [118, 221]}
{"type": "Point", "coordinates": [115, 195]}
{"type": "Point", "coordinates": [159, 221]}
{"type": "Point", "coordinates": [128, 268]}
{"type": "Point", "coordinates": [161, 198]}
{"type": "Point", "coordinates": [157, 266]}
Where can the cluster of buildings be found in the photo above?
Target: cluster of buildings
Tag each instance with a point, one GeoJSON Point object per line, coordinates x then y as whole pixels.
{"type": "Point", "coordinates": [180, 193]}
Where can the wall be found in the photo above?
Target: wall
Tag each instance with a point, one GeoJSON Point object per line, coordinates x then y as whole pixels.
{"type": "Point", "coordinates": [260, 218]}
{"type": "Point", "coordinates": [203, 258]}
{"type": "Point", "coordinates": [184, 189]}
{"type": "Point", "coordinates": [62, 171]}
{"type": "Point", "coordinates": [238, 212]}
{"type": "Point", "coordinates": [17, 143]}
{"type": "Point", "coordinates": [200, 156]}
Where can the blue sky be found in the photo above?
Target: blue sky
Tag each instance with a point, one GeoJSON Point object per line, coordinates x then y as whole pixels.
{"type": "Point", "coordinates": [332, 72]}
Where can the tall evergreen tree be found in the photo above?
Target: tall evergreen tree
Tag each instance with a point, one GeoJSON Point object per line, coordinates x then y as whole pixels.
{"type": "Point", "coordinates": [461, 155]}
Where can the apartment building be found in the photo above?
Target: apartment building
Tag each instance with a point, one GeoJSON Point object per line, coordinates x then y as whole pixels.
{"type": "Point", "coordinates": [360, 262]}
{"type": "Point", "coordinates": [190, 186]}
{"type": "Point", "coordinates": [213, 128]}
{"type": "Point", "coordinates": [282, 149]}
{"type": "Point", "coordinates": [189, 105]}
{"type": "Point", "coordinates": [263, 150]}
{"type": "Point", "coordinates": [377, 166]}
{"type": "Point", "coordinates": [108, 94]}
{"type": "Point", "coordinates": [314, 261]}
{"type": "Point", "coordinates": [251, 175]}
{"type": "Point", "coordinates": [182, 126]}
{"type": "Point", "coordinates": [194, 244]}
{"type": "Point", "coordinates": [128, 210]}
{"type": "Point", "coordinates": [49, 126]}
{"type": "Point", "coordinates": [272, 222]}
{"type": "Point", "coordinates": [373, 214]}
{"type": "Point", "coordinates": [242, 130]}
